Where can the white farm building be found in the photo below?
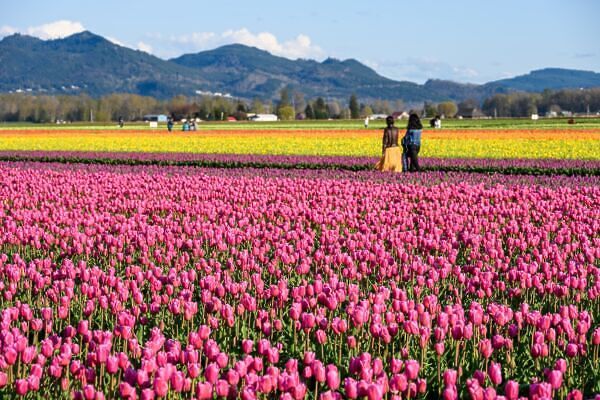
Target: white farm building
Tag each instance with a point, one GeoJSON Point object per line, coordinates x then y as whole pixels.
{"type": "Point", "coordinates": [262, 117]}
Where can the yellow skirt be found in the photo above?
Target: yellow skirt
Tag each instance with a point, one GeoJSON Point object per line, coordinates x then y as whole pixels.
{"type": "Point", "coordinates": [391, 160]}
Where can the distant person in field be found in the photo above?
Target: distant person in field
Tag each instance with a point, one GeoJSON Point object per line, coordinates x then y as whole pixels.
{"type": "Point", "coordinates": [121, 122]}
{"type": "Point", "coordinates": [391, 154]}
{"type": "Point", "coordinates": [412, 142]}
{"type": "Point", "coordinates": [367, 121]}
{"type": "Point", "coordinates": [186, 126]}
{"type": "Point", "coordinates": [436, 122]}
{"type": "Point", "coordinates": [169, 124]}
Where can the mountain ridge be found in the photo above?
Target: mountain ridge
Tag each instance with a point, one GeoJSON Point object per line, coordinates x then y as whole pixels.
{"type": "Point", "coordinates": [89, 63]}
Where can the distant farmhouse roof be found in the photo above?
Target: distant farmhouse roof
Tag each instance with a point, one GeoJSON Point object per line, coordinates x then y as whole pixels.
{"type": "Point", "coordinates": [400, 115]}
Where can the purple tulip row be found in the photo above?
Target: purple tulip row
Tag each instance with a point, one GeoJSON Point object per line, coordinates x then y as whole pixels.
{"type": "Point", "coordinates": [309, 161]}
{"type": "Point", "coordinates": [172, 282]}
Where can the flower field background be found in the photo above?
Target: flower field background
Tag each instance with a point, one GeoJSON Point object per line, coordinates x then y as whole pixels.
{"type": "Point", "coordinates": [275, 263]}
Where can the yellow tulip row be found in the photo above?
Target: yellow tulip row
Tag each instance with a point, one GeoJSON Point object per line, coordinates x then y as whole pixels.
{"type": "Point", "coordinates": [453, 145]}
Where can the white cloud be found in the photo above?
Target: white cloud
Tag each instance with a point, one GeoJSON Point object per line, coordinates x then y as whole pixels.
{"type": "Point", "coordinates": [421, 69]}
{"type": "Point", "coordinates": [6, 30]}
{"type": "Point", "coordinates": [299, 47]}
{"type": "Point", "coordinates": [115, 41]}
{"type": "Point", "coordinates": [198, 39]}
{"type": "Point", "coordinates": [56, 29]}
{"type": "Point", "coordinates": [52, 30]}
{"type": "Point", "coordinates": [144, 47]}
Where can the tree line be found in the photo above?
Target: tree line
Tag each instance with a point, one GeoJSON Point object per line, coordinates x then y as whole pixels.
{"type": "Point", "coordinates": [580, 101]}
{"type": "Point", "coordinates": [23, 107]}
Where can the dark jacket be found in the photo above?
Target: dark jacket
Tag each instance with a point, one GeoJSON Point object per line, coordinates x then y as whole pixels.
{"type": "Point", "coordinates": [412, 137]}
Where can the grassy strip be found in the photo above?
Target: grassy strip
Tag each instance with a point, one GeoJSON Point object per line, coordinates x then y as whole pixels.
{"type": "Point", "coordinates": [537, 171]}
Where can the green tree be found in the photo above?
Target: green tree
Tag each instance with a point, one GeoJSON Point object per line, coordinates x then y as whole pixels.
{"type": "Point", "coordinates": [320, 109]}
{"type": "Point", "coordinates": [299, 103]}
{"type": "Point", "coordinates": [497, 106]}
{"type": "Point", "coordinates": [429, 110]}
{"type": "Point", "coordinates": [286, 113]}
{"type": "Point", "coordinates": [309, 113]}
{"type": "Point", "coordinates": [284, 97]}
{"type": "Point", "coordinates": [366, 111]}
{"type": "Point", "coordinates": [333, 109]}
{"type": "Point", "coordinates": [447, 109]}
{"type": "Point", "coordinates": [354, 107]}
{"type": "Point", "coordinates": [257, 106]}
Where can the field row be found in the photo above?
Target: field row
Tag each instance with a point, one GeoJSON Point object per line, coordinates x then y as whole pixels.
{"type": "Point", "coordinates": [450, 124]}
{"type": "Point", "coordinates": [556, 144]}
{"type": "Point", "coordinates": [146, 282]}
{"type": "Point", "coordinates": [481, 165]}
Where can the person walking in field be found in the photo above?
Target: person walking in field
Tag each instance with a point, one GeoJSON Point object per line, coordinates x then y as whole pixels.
{"type": "Point", "coordinates": [391, 154]}
{"type": "Point", "coordinates": [169, 124]}
{"type": "Point", "coordinates": [412, 142]}
{"type": "Point", "coordinates": [367, 121]}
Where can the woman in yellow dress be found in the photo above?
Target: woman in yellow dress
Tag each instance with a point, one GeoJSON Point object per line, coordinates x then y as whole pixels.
{"type": "Point", "coordinates": [391, 153]}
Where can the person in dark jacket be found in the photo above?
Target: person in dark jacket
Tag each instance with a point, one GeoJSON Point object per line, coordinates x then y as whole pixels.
{"type": "Point", "coordinates": [412, 141]}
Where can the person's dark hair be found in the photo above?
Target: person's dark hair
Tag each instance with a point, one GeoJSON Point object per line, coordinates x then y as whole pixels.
{"type": "Point", "coordinates": [389, 120]}
{"type": "Point", "coordinates": [414, 122]}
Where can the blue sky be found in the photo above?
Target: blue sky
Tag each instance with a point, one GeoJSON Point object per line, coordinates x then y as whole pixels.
{"type": "Point", "coordinates": [466, 41]}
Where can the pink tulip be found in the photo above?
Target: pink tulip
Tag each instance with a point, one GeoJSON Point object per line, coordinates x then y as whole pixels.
{"type": "Point", "coordinates": [350, 388]}
{"type": "Point", "coordinates": [203, 391]}
{"type": "Point", "coordinates": [511, 390]}
{"type": "Point", "coordinates": [474, 389]}
{"type": "Point", "coordinates": [450, 393]}
{"type": "Point", "coordinates": [555, 379]}
{"type": "Point", "coordinates": [112, 364]}
{"type": "Point", "coordinates": [571, 350]}
{"type": "Point", "coordinates": [247, 346]}
{"type": "Point", "coordinates": [412, 369]}
{"type": "Point", "coordinates": [89, 393]}
{"type": "Point", "coordinates": [333, 379]}
{"type": "Point", "coordinates": [490, 394]}
{"type": "Point", "coordinates": [575, 395]}
{"type": "Point", "coordinates": [485, 348]}
{"type": "Point", "coordinates": [561, 365]}
{"type": "Point", "coordinates": [147, 394]}
{"type": "Point", "coordinates": [211, 373]}
{"type": "Point", "coordinates": [222, 388]}
{"type": "Point", "coordinates": [450, 376]}
{"type": "Point", "coordinates": [495, 373]}
{"type": "Point", "coordinates": [321, 336]}
{"type": "Point", "coordinates": [161, 387]}
{"type": "Point", "coordinates": [177, 381]}
{"type": "Point", "coordinates": [374, 392]}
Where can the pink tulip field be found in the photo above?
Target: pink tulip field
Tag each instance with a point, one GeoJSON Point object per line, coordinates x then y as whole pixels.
{"type": "Point", "coordinates": [147, 282]}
